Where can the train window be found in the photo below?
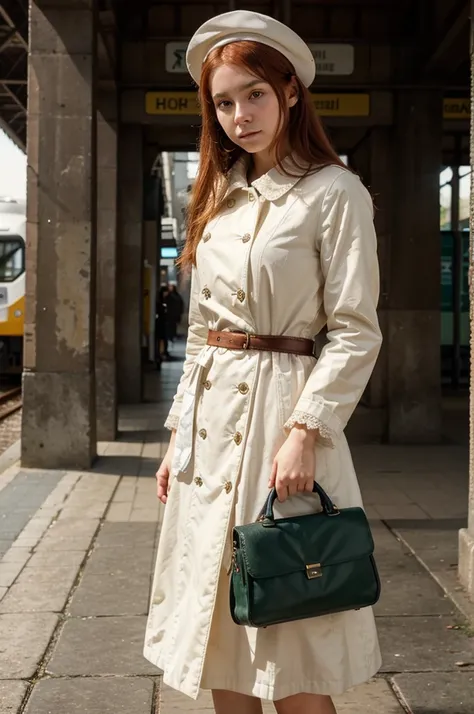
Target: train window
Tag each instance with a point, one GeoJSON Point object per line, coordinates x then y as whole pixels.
{"type": "Point", "coordinates": [12, 258]}
{"type": "Point", "coordinates": [445, 198]}
{"type": "Point", "coordinates": [454, 197]}
{"type": "Point", "coordinates": [464, 194]}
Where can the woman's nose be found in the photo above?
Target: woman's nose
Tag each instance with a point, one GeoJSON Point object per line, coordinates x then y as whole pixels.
{"type": "Point", "coordinates": [242, 114]}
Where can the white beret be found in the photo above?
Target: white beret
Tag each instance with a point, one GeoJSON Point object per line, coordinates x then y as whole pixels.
{"type": "Point", "coordinates": [241, 25]}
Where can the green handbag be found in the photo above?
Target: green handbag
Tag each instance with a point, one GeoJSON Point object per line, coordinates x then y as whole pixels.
{"type": "Point", "coordinates": [292, 568]}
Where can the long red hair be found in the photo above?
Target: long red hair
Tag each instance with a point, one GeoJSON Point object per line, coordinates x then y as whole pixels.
{"type": "Point", "coordinates": [301, 128]}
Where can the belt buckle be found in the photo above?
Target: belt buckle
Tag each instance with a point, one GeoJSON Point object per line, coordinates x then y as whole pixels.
{"type": "Point", "coordinates": [248, 335]}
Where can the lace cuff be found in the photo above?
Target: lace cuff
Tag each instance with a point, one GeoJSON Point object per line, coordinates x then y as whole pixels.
{"type": "Point", "coordinates": [326, 435]}
{"type": "Point", "coordinates": [171, 422]}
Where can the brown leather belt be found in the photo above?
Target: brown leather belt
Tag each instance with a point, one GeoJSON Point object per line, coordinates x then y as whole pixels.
{"type": "Point", "coordinates": [268, 343]}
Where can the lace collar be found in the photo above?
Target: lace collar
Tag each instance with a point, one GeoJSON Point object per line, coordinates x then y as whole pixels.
{"type": "Point", "coordinates": [272, 185]}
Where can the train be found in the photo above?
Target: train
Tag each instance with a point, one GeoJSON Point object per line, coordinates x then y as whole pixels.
{"type": "Point", "coordinates": [12, 283]}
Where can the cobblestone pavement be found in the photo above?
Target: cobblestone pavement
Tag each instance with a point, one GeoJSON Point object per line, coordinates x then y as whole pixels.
{"type": "Point", "coordinates": [76, 562]}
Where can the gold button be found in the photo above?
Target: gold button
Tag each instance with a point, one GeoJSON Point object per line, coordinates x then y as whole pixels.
{"type": "Point", "coordinates": [240, 295]}
{"type": "Point", "coordinates": [202, 433]}
{"type": "Point", "coordinates": [198, 481]}
{"type": "Point", "coordinates": [207, 384]}
{"type": "Point", "coordinates": [207, 293]}
{"type": "Point", "coordinates": [243, 388]}
{"type": "Point", "coordinates": [231, 203]}
{"type": "Point", "coordinates": [238, 437]}
{"type": "Point", "coordinates": [206, 237]}
{"type": "Point", "coordinates": [251, 198]}
{"type": "Point", "coordinates": [228, 486]}
{"type": "Point", "coordinates": [246, 238]}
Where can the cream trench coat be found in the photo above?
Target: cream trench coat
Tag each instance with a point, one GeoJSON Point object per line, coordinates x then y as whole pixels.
{"type": "Point", "coordinates": [285, 256]}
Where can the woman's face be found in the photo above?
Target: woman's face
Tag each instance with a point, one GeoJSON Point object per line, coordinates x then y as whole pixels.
{"type": "Point", "coordinates": [246, 107]}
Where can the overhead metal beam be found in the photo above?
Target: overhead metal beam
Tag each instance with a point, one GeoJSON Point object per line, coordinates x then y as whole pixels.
{"type": "Point", "coordinates": [13, 96]}
{"type": "Point", "coordinates": [13, 72]}
{"type": "Point", "coordinates": [14, 26]}
{"type": "Point", "coordinates": [9, 131]}
{"type": "Point", "coordinates": [459, 20]}
{"type": "Point", "coordinates": [7, 40]}
{"type": "Point", "coordinates": [107, 42]}
{"type": "Point", "coordinates": [286, 11]}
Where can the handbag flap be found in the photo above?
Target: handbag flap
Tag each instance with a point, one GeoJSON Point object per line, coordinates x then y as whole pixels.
{"type": "Point", "coordinates": [294, 543]}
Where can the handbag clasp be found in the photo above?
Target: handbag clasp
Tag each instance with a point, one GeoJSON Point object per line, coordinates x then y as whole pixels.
{"type": "Point", "coordinates": [314, 571]}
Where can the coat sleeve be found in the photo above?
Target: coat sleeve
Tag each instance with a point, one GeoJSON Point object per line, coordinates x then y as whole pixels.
{"type": "Point", "coordinates": [348, 255]}
{"type": "Point", "coordinates": [196, 340]}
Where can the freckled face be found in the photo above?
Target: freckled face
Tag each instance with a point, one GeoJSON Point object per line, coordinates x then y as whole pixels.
{"type": "Point", "coordinates": [246, 107]}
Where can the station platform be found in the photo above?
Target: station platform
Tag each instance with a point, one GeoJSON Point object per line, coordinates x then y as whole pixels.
{"type": "Point", "coordinates": [77, 553]}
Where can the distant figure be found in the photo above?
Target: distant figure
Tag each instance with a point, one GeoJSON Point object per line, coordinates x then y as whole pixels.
{"type": "Point", "coordinates": [174, 311]}
{"type": "Point", "coordinates": [161, 326]}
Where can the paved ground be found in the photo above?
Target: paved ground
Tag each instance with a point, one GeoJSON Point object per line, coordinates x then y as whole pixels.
{"type": "Point", "coordinates": [76, 559]}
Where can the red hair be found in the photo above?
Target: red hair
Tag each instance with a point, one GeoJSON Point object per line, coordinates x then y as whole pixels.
{"type": "Point", "coordinates": [301, 128]}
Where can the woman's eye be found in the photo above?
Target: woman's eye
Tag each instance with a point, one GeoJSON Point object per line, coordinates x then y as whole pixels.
{"type": "Point", "coordinates": [225, 104]}
{"type": "Point", "coordinates": [257, 94]}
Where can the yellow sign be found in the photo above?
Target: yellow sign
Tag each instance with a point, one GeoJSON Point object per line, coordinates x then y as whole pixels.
{"type": "Point", "coordinates": [171, 103]}
{"type": "Point", "coordinates": [342, 105]}
{"type": "Point", "coordinates": [456, 108]}
{"type": "Point", "coordinates": [328, 105]}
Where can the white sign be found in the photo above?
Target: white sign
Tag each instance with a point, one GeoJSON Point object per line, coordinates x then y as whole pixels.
{"type": "Point", "coordinates": [333, 59]}
{"type": "Point", "coordinates": [176, 56]}
{"type": "Point", "coordinates": [330, 58]}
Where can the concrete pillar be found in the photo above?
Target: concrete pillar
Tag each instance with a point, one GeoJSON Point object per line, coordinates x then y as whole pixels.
{"type": "Point", "coordinates": [150, 287]}
{"type": "Point", "coordinates": [105, 358]}
{"type": "Point", "coordinates": [380, 186]}
{"type": "Point", "coordinates": [466, 535]}
{"type": "Point", "coordinates": [59, 426]}
{"type": "Point", "coordinates": [413, 331]}
{"type": "Point", "coordinates": [371, 162]}
{"type": "Point", "coordinates": [151, 256]}
{"type": "Point", "coordinates": [130, 264]}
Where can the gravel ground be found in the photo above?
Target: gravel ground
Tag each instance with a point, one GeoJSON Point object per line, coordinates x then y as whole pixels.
{"type": "Point", "coordinates": [10, 430]}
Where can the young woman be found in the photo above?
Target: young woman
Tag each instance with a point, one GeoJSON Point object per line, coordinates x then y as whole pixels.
{"type": "Point", "coordinates": [281, 244]}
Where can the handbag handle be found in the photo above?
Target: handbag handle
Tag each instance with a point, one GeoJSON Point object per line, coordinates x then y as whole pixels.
{"type": "Point", "coordinates": [329, 508]}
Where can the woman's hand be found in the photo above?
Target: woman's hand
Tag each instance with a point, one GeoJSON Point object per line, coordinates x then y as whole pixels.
{"type": "Point", "coordinates": [163, 473]}
{"type": "Point", "coordinates": [293, 466]}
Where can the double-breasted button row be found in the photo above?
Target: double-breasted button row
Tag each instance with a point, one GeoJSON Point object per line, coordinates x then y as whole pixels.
{"type": "Point", "coordinates": [227, 485]}
{"type": "Point", "coordinates": [240, 294]}
{"type": "Point", "coordinates": [246, 237]}
{"type": "Point", "coordinates": [237, 436]}
{"type": "Point", "coordinates": [243, 388]}
{"type": "Point", "coordinates": [230, 203]}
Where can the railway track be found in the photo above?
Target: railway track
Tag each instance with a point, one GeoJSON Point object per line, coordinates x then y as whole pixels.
{"type": "Point", "coordinates": [10, 402]}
